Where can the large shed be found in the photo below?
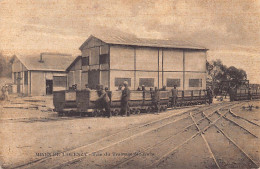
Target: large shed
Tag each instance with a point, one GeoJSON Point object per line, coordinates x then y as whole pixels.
{"type": "Point", "coordinates": [40, 74]}
{"type": "Point", "coordinates": [110, 60]}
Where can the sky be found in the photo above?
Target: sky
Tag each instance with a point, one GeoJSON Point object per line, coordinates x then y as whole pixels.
{"type": "Point", "coordinates": [230, 29]}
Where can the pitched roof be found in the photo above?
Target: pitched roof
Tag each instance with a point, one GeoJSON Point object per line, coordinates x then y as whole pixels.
{"type": "Point", "coordinates": [51, 61]}
{"type": "Point", "coordinates": [134, 41]}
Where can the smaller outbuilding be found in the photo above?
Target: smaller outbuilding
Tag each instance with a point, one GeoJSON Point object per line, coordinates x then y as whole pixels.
{"type": "Point", "coordinates": [42, 74]}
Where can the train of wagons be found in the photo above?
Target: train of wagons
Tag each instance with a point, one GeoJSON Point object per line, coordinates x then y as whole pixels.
{"type": "Point", "coordinates": [84, 102]}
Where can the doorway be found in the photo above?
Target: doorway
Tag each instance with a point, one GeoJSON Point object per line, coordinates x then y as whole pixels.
{"type": "Point", "coordinates": [49, 87]}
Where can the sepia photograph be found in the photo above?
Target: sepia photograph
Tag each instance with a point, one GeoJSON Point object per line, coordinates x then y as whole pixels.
{"type": "Point", "coordinates": [129, 84]}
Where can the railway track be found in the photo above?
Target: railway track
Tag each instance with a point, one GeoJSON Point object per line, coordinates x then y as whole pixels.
{"type": "Point", "coordinates": [156, 123]}
{"type": "Point", "coordinates": [138, 135]}
{"type": "Point", "coordinates": [251, 163]}
{"type": "Point", "coordinates": [244, 160]}
{"type": "Point", "coordinates": [87, 163]}
{"type": "Point", "coordinates": [186, 141]}
{"type": "Point", "coordinates": [141, 131]}
{"type": "Point", "coordinates": [178, 134]}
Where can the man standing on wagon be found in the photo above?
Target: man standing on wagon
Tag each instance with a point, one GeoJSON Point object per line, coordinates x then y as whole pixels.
{"type": "Point", "coordinates": [124, 100]}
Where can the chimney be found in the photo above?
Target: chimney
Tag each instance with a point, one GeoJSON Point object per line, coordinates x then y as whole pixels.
{"type": "Point", "coordinates": [41, 60]}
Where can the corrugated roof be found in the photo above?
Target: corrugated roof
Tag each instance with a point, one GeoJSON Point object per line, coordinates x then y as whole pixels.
{"type": "Point", "coordinates": [51, 61]}
{"type": "Point", "coordinates": [134, 41]}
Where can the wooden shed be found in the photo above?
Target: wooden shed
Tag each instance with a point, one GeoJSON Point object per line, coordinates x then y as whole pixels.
{"type": "Point", "coordinates": [40, 74]}
{"type": "Point", "coordinates": [110, 60]}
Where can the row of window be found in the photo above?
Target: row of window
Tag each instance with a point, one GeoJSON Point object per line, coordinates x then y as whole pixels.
{"type": "Point", "coordinates": [102, 60]}
{"type": "Point", "coordinates": [149, 82]}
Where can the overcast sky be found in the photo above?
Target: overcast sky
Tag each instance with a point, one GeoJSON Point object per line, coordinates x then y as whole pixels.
{"type": "Point", "coordinates": [230, 29]}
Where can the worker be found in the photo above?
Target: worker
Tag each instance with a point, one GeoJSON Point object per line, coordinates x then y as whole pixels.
{"type": "Point", "coordinates": [106, 89]}
{"type": "Point", "coordinates": [210, 95]}
{"type": "Point", "coordinates": [124, 100]}
{"type": "Point", "coordinates": [156, 100]}
{"type": "Point", "coordinates": [143, 87]}
{"type": "Point", "coordinates": [174, 96]}
{"type": "Point", "coordinates": [249, 94]}
{"type": "Point", "coordinates": [103, 101]}
{"type": "Point", "coordinates": [5, 92]}
{"type": "Point", "coordinates": [139, 88]}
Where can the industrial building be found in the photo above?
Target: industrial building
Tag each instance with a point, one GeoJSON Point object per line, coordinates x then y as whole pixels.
{"type": "Point", "coordinates": [42, 74]}
{"type": "Point", "coordinates": [110, 60]}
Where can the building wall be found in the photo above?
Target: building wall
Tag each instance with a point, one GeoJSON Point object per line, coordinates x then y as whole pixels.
{"type": "Point", "coordinates": [122, 58]}
{"type": "Point", "coordinates": [172, 60]}
{"type": "Point", "coordinates": [161, 64]}
{"type": "Point", "coordinates": [195, 61]}
{"type": "Point", "coordinates": [146, 64]}
{"type": "Point", "coordinates": [173, 75]}
{"type": "Point", "coordinates": [38, 84]}
{"type": "Point", "coordinates": [18, 69]}
{"type": "Point", "coordinates": [78, 75]}
{"type": "Point", "coordinates": [147, 59]}
{"type": "Point", "coordinates": [121, 74]}
{"type": "Point", "coordinates": [94, 72]}
{"type": "Point", "coordinates": [93, 49]}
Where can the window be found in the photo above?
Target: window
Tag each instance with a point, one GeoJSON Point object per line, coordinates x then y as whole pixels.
{"type": "Point", "coordinates": [103, 59]}
{"type": "Point", "coordinates": [147, 82]}
{"type": "Point", "coordinates": [60, 81]}
{"type": "Point", "coordinates": [195, 82]}
{"type": "Point", "coordinates": [120, 81]}
{"type": "Point", "coordinates": [172, 82]}
{"type": "Point", "coordinates": [26, 78]}
{"type": "Point", "coordinates": [85, 61]}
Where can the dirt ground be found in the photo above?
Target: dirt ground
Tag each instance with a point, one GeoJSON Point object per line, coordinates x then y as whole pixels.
{"type": "Point", "coordinates": [31, 131]}
{"type": "Point", "coordinates": [29, 126]}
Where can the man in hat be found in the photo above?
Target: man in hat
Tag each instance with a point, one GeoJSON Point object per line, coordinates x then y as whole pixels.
{"type": "Point", "coordinates": [174, 96]}
{"type": "Point", "coordinates": [103, 100]}
{"type": "Point", "coordinates": [124, 100]}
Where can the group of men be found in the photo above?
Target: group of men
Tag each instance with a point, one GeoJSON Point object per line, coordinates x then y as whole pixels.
{"type": "Point", "coordinates": [104, 100]}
